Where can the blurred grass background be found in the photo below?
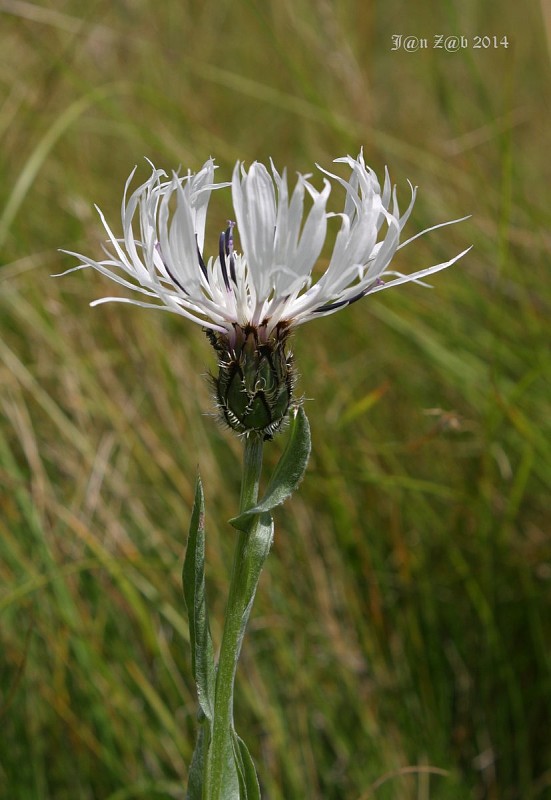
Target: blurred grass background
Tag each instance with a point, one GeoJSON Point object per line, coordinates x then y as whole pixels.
{"type": "Point", "coordinates": [399, 645]}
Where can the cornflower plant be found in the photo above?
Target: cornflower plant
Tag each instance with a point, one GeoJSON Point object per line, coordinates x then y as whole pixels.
{"type": "Point", "coordinates": [249, 302]}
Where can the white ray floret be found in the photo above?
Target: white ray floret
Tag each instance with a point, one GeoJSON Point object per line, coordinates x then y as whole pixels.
{"type": "Point", "coordinates": [270, 282]}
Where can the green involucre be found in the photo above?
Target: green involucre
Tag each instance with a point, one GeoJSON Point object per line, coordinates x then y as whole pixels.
{"type": "Point", "coordinates": [254, 385]}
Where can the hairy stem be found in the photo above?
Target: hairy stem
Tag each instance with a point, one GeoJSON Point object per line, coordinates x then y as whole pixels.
{"type": "Point", "coordinates": [249, 557]}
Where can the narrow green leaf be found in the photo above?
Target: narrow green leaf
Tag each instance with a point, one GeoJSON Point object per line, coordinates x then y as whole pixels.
{"type": "Point", "coordinates": [196, 768]}
{"type": "Point", "coordinates": [223, 776]}
{"type": "Point", "coordinates": [249, 788]}
{"type": "Point", "coordinates": [225, 785]}
{"type": "Point", "coordinates": [288, 473]}
{"type": "Point", "coordinates": [193, 579]}
{"type": "Point", "coordinates": [259, 542]}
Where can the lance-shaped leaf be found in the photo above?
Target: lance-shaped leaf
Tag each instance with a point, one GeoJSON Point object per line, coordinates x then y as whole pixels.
{"type": "Point", "coordinates": [226, 772]}
{"type": "Point", "coordinates": [259, 542]}
{"type": "Point", "coordinates": [246, 772]}
{"type": "Point", "coordinates": [196, 769]}
{"type": "Point", "coordinates": [288, 472]}
{"type": "Point", "coordinates": [193, 578]}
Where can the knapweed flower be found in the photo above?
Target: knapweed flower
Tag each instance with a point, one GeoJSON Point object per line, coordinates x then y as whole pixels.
{"type": "Point", "coordinates": [249, 301]}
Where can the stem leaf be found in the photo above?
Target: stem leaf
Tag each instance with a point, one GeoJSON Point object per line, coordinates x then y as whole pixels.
{"type": "Point", "coordinates": [259, 542]}
{"type": "Point", "coordinates": [228, 770]}
{"type": "Point", "coordinates": [193, 579]}
{"type": "Point", "coordinates": [248, 781]}
{"type": "Point", "coordinates": [196, 769]}
{"type": "Point", "coordinates": [288, 472]}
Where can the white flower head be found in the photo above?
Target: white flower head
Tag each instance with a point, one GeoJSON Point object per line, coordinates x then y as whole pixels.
{"type": "Point", "coordinates": [267, 288]}
{"type": "Point", "coordinates": [270, 282]}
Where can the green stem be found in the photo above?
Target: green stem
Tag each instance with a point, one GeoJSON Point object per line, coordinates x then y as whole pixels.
{"type": "Point", "coordinates": [252, 467]}
{"type": "Point", "coordinates": [249, 557]}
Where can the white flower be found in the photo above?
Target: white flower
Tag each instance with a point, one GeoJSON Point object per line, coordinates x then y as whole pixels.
{"type": "Point", "coordinates": [249, 302]}
{"type": "Point", "coordinates": [269, 284]}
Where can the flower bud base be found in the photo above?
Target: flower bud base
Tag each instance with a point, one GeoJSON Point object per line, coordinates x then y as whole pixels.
{"type": "Point", "coordinates": [254, 386]}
